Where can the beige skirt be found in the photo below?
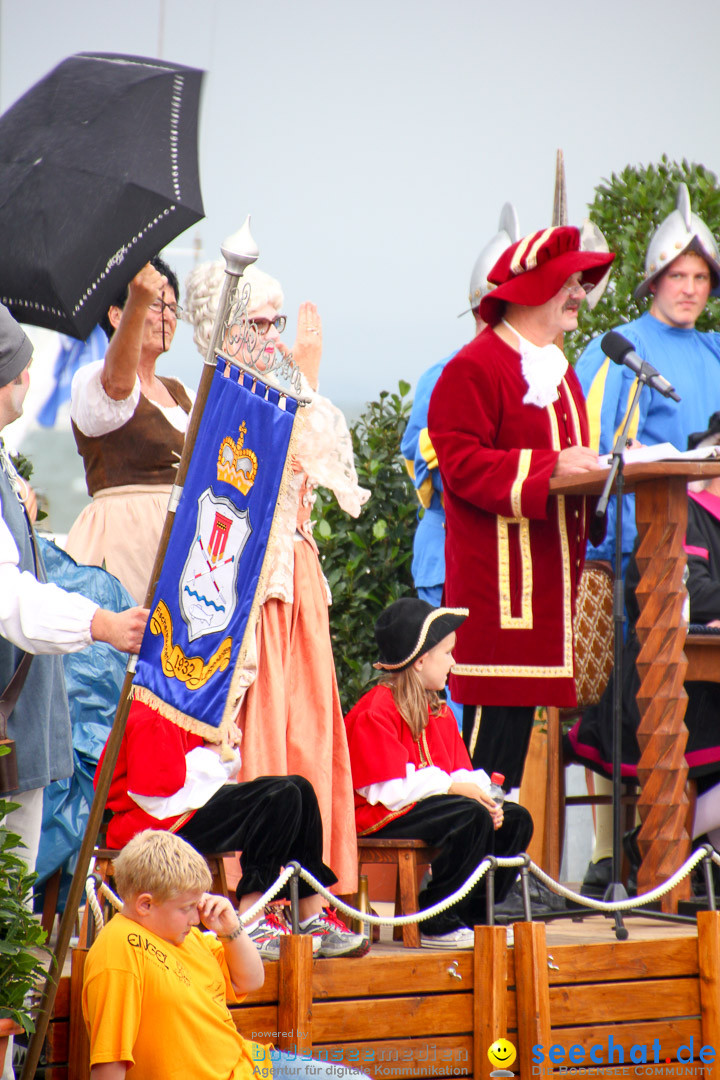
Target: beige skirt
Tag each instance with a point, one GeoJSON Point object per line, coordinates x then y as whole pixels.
{"type": "Point", "coordinates": [120, 530]}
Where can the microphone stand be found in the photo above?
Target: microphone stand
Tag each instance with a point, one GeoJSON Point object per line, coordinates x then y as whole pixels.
{"type": "Point", "coordinates": [616, 890]}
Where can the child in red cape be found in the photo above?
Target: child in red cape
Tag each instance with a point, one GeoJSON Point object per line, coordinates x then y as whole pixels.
{"type": "Point", "coordinates": [412, 775]}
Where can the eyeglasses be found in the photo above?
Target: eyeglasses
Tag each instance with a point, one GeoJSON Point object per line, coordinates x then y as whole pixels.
{"type": "Point", "coordinates": [161, 305]}
{"type": "Point", "coordinates": [577, 287]}
{"type": "Point", "coordinates": [262, 326]}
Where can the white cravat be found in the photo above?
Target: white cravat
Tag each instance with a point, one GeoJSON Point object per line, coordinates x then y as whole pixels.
{"type": "Point", "coordinates": [543, 367]}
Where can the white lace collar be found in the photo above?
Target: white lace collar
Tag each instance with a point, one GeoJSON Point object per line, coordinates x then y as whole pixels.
{"type": "Point", "coordinates": [543, 368]}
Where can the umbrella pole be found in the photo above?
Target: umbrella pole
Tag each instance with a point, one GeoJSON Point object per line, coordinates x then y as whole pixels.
{"type": "Point", "coordinates": [236, 263]}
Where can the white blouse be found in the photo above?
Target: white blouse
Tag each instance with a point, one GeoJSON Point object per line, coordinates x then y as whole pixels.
{"type": "Point", "coordinates": [419, 784]}
{"type": "Point", "coordinates": [37, 616]}
{"type": "Point", "coordinates": [95, 413]}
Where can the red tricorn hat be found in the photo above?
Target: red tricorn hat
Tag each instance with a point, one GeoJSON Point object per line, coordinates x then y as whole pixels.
{"type": "Point", "coordinates": [532, 271]}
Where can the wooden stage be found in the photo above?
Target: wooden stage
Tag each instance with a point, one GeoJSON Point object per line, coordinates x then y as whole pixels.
{"type": "Point", "coordinates": [416, 1012]}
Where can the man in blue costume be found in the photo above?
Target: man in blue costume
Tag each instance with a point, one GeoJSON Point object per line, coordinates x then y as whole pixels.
{"type": "Point", "coordinates": [682, 268]}
{"type": "Point", "coordinates": [428, 566]}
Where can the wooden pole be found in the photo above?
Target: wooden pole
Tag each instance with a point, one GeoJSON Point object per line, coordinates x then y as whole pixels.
{"type": "Point", "coordinates": [708, 924]}
{"type": "Point", "coordinates": [295, 993]}
{"type": "Point", "coordinates": [490, 995]}
{"type": "Point", "coordinates": [532, 992]}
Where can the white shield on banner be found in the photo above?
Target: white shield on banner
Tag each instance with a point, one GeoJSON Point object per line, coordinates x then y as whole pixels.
{"type": "Point", "coordinates": [208, 592]}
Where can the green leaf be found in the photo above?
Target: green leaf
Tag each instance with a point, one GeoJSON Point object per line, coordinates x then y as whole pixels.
{"type": "Point", "coordinates": [367, 560]}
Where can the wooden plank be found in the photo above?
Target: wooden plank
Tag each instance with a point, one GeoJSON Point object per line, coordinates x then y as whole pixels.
{"type": "Point", "coordinates": [671, 1034]}
{"type": "Point", "coordinates": [62, 998]}
{"type": "Point", "coordinates": [268, 992]}
{"type": "Point", "coordinates": [424, 971]}
{"type": "Point", "coordinates": [533, 1002]}
{"type": "Point", "coordinates": [623, 960]}
{"type": "Point", "coordinates": [422, 1057]}
{"type": "Point", "coordinates": [611, 1072]}
{"type": "Point", "coordinates": [709, 960]}
{"type": "Point", "coordinates": [79, 1055]}
{"type": "Point", "coordinates": [490, 997]}
{"type": "Point", "coordinates": [295, 993]}
{"type": "Point", "coordinates": [257, 1023]}
{"type": "Point", "coordinates": [402, 1017]}
{"type": "Point", "coordinates": [622, 1001]}
{"type": "Point", "coordinates": [57, 1041]}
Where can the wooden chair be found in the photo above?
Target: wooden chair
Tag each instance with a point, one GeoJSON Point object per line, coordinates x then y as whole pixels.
{"type": "Point", "coordinates": [104, 869]}
{"type": "Point", "coordinates": [556, 800]}
{"type": "Point", "coordinates": [409, 856]}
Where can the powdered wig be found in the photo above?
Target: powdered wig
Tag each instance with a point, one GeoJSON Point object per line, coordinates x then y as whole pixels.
{"type": "Point", "coordinates": [159, 863]}
{"type": "Point", "coordinates": [202, 293]}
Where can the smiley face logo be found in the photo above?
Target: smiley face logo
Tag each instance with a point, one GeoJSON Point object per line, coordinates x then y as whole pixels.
{"type": "Point", "coordinates": [501, 1054]}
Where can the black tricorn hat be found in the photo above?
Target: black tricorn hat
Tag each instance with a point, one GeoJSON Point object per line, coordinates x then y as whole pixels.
{"type": "Point", "coordinates": [411, 627]}
{"type": "Point", "coordinates": [709, 437]}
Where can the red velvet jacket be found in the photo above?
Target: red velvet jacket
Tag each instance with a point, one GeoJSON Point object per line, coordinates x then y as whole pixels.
{"type": "Point", "coordinates": [513, 553]}
{"type": "Point", "coordinates": [381, 746]}
{"type": "Point", "coordinates": [151, 762]}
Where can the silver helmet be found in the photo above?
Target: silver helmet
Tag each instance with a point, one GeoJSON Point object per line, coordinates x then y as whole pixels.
{"type": "Point", "coordinates": [680, 232]}
{"type": "Point", "coordinates": [508, 233]}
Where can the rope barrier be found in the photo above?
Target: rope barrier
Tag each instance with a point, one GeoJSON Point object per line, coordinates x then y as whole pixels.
{"type": "Point", "coordinates": [519, 861]}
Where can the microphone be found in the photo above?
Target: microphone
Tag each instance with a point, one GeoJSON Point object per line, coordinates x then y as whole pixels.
{"type": "Point", "coordinates": [621, 351]}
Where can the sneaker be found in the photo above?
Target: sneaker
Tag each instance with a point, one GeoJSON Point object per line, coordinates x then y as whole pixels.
{"type": "Point", "coordinates": [464, 938]}
{"type": "Point", "coordinates": [333, 937]}
{"type": "Point", "coordinates": [267, 933]}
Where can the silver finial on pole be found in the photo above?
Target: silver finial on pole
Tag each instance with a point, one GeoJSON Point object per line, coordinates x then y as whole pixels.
{"type": "Point", "coordinates": [239, 250]}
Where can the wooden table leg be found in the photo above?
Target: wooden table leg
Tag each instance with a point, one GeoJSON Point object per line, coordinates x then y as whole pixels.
{"type": "Point", "coordinates": [661, 515]}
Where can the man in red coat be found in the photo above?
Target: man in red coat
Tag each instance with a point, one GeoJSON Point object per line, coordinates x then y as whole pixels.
{"type": "Point", "coordinates": [506, 416]}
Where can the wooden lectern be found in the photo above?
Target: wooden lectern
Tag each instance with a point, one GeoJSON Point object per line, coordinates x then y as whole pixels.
{"type": "Point", "coordinates": [660, 492]}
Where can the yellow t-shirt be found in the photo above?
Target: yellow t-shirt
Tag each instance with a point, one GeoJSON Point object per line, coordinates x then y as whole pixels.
{"type": "Point", "coordinates": [162, 1007]}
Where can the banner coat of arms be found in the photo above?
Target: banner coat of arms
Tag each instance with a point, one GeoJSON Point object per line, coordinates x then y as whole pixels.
{"type": "Point", "coordinates": [204, 609]}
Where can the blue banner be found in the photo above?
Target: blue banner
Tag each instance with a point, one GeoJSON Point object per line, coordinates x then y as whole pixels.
{"type": "Point", "coordinates": [203, 609]}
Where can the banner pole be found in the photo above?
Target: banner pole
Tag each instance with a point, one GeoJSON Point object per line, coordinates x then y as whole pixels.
{"type": "Point", "coordinates": [239, 252]}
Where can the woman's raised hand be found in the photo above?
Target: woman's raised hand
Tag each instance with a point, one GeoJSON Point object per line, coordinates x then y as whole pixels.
{"type": "Point", "coordinates": [307, 350]}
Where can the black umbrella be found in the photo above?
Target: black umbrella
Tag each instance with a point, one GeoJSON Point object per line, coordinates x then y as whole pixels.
{"type": "Point", "coordinates": [98, 172]}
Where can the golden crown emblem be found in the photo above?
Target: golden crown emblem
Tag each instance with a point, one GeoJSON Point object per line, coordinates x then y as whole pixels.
{"type": "Point", "coordinates": [237, 464]}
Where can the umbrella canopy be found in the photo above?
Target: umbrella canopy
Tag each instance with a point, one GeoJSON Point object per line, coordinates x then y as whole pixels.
{"type": "Point", "coordinates": [98, 172]}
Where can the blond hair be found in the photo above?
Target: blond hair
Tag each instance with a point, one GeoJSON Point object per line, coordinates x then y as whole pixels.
{"type": "Point", "coordinates": [159, 863]}
{"type": "Point", "coordinates": [414, 703]}
{"type": "Point", "coordinates": [203, 286]}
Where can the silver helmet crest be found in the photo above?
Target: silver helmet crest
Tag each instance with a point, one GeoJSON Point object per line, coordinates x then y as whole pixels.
{"type": "Point", "coordinates": [680, 232]}
{"type": "Point", "coordinates": [508, 233]}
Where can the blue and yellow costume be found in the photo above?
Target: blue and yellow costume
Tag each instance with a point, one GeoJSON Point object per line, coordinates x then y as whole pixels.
{"type": "Point", "coordinates": [428, 565]}
{"type": "Point", "coordinates": [689, 359]}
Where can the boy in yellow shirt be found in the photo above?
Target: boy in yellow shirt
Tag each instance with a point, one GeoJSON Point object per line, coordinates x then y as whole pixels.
{"type": "Point", "coordinates": [156, 988]}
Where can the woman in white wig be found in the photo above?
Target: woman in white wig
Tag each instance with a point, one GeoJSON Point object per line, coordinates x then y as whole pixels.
{"type": "Point", "coordinates": [290, 713]}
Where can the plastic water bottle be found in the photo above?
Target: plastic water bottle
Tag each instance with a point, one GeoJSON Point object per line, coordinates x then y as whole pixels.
{"type": "Point", "coordinates": [497, 791]}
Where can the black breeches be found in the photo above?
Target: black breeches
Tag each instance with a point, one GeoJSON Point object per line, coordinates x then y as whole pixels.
{"type": "Point", "coordinates": [463, 830]}
{"type": "Point", "coordinates": [272, 821]}
{"type": "Point", "coordinates": [501, 743]}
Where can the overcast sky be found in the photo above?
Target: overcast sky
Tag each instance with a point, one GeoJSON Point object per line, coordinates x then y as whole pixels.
{"type": "Point", "coordinates": [374, 144]}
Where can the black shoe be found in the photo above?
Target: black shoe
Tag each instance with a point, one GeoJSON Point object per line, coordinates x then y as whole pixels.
{"type": "Point", "coordinates": [543, 901]}
{"type": "Point", "coordinates": [597, 878]}
{"type": "Point", "coordinates": [634, 858]}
